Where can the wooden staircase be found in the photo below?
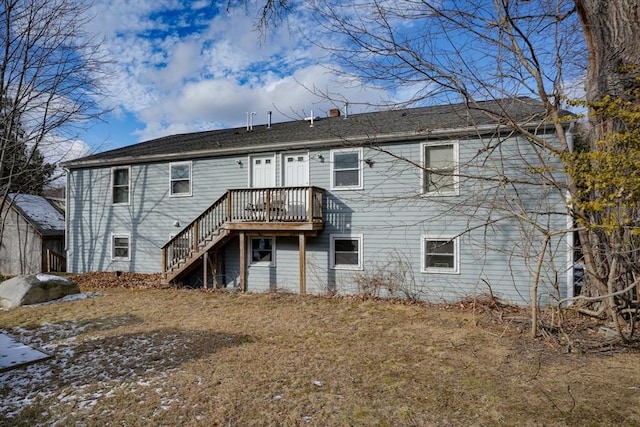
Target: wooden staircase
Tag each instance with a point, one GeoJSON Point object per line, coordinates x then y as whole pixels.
{"type": "Point", "coordinates": [277, 210]}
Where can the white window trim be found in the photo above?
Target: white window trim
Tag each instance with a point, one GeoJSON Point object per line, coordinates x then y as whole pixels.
{"type": "Point", "coordinates": [113, 247]}
{"type": "Point", "coordinates": [439, 270]}
{"type": "Point", "coordinates": [360, 186]}
{"type": "Point", "coordinates": [456, 168]}
{"type": "Point", "coordinates": [271, 263]}
{"type": "Point", "coordinates": [332, 251]}
{"type": "Point", "coordinates": [171, 194]}
{"type": "Point", "coordinates": [113, 169]}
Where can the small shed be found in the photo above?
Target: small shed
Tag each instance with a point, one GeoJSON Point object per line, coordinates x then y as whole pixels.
{"type": "Point", "coordinates": [32, 236]}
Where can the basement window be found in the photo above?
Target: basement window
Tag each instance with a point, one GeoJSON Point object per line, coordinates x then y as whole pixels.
{"type": "Point", "coordinates": [120, 249]}
{"type": "Point", "coordinates": [440, 255]}
{"type": "Point", "coordinates": [346, 252]}
{"type": "Point", "coordinates": [263, 251]}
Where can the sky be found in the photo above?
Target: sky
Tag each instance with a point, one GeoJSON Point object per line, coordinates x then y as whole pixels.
{"type": "Point", "coordinates": [181, 66]}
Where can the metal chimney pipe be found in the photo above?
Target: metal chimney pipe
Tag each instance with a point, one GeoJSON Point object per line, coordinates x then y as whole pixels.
{"type": "Point", "coordinates": [346, 110]}
{"type": "Point", "coordinates": [253, 113]}
{"type": "Point", "coordinates": [268, 119]}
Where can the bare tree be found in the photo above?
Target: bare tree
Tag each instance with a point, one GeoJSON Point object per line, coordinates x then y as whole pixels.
{"type": "Point", "coordinates": [270, 13]}
{"type": "Point", "coordinates": [50, 83]}
{"type": "Point", "coordinates": [433, 52]}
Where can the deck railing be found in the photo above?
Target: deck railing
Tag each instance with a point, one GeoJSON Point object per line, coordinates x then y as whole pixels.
{"type": "Point", "coordinates": [248, 205]}
{"type": "Point", "coordinates": [55, 262]}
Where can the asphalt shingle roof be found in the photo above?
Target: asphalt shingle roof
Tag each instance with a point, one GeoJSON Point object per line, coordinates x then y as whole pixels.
{"type": "Point", "coordinates": [332, 130]}
{"type": "Point", "coordinates": [44, 217]}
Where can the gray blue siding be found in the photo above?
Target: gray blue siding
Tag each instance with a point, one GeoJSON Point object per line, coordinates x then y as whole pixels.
{"type": "Point", "coordinates": [498, 248]}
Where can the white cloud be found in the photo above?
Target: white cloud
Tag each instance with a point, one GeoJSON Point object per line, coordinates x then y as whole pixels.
{"type": "Point", "coordinates": [175, 78]}
{"type": "Point", "coordinates": [57, 150]}
{"type": "Point", "coordinates": [215, 103]}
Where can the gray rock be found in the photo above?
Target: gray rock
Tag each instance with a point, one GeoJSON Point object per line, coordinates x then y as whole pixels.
{"type": "Point", "coordinates": [607, 333]}
{"type": "Point", "coordinates": [35, 289]}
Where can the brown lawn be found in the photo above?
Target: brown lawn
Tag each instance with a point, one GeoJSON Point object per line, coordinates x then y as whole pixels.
{"type": "Point", "coordinates": [186, 357]}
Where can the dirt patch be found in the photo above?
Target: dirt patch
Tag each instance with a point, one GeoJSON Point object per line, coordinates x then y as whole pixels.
{"type": "Point", "coordinates": [124, 280]}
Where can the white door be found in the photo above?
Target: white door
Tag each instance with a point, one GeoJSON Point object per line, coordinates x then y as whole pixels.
{"type": "Point", "coordinates": [296, 170]}
{"type": "Point", "coordinates": [263, 171]}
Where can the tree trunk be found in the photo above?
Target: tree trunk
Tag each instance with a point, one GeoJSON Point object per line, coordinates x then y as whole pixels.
{"type": "Point", "coordinates": [612, 34]}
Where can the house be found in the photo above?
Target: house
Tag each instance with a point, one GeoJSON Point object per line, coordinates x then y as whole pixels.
{"type": "Point", "coordinates": [436, 203]}
{"type": "Point", "coordinates": [32, 236]}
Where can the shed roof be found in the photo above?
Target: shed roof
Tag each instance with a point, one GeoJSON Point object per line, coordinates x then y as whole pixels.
{"type": "Point", "coordinates": [373, 126]}
{"type": "Point", "coordinates": [40, 213]}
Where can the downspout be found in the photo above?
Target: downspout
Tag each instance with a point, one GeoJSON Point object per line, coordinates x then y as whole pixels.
{"type": "Point", "coordinates": [66, 216]}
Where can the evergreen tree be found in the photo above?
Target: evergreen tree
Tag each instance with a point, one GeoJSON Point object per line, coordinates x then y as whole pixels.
{"type": "Point", "coordinates": [22, 165]}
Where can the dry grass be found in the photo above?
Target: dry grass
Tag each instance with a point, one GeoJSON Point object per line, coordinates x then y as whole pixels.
{"type": "Point", "coordinates": [180, 357]}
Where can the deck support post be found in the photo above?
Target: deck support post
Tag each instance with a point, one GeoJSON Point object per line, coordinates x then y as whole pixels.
{"type": "Point", "coordinates": [302, 243]}
{"type": "Point", "coordinates": [214, 270]}
{"type": "Point", "coordinates": [205, 262]}
{"type": "Point", "coordinates": [164, 263]}
{"type": "Point", "coordinates": [223, 270]}
{"type": "Point", "coordinates": [243, 262]}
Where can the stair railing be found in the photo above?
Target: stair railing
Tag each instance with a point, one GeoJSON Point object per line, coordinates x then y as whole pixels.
{"type": "Point", "coordinates": [278, 204]}
{"type": "Point", "coordinates": [187, 242]}
{"type": "Point", "coordinates": [55, 262]}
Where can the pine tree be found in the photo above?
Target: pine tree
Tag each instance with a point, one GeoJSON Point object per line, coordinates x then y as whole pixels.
{"type": "Point", "coordinates": [22, 165]}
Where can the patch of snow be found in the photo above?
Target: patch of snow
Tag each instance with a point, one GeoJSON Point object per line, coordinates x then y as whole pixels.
{"type": "Point", "coordinates": [49, 277]}
{"type": "Point", "coordinates": [14, 354]}
{"type": "Point", "coordinates": [88, 369]}
{"type": "Point", "coordinates": [73, 297]}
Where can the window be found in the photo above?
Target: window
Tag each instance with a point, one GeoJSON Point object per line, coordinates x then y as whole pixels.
{"type": "Point", "coordinates": [180, 178]}
{"type": "Point", "coordinates": [346, 169]}
{"type": "Point", "coordinates": [440, 255]}
{"type": "Point", "coordinates": [120, 179]}
{"type": "Point", "coordinates": [440, 169]}
{"type": "Point", "coordinates": [346, 252]}
{"type": "Point", "coordinates": [262, 251]}
{"type": "Point", "coordinates": [120, 247]}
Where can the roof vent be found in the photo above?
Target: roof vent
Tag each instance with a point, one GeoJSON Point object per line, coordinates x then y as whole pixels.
{"type": "Point", "coordinates": [310, 119]}
{"type": "Point", "coordinates": [346, 110]}
{"type": "Point", "coordinates": [250, 121]}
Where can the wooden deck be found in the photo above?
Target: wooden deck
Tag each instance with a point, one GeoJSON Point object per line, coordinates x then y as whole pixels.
{"type": "Point", "coordinates": [241, 212]}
